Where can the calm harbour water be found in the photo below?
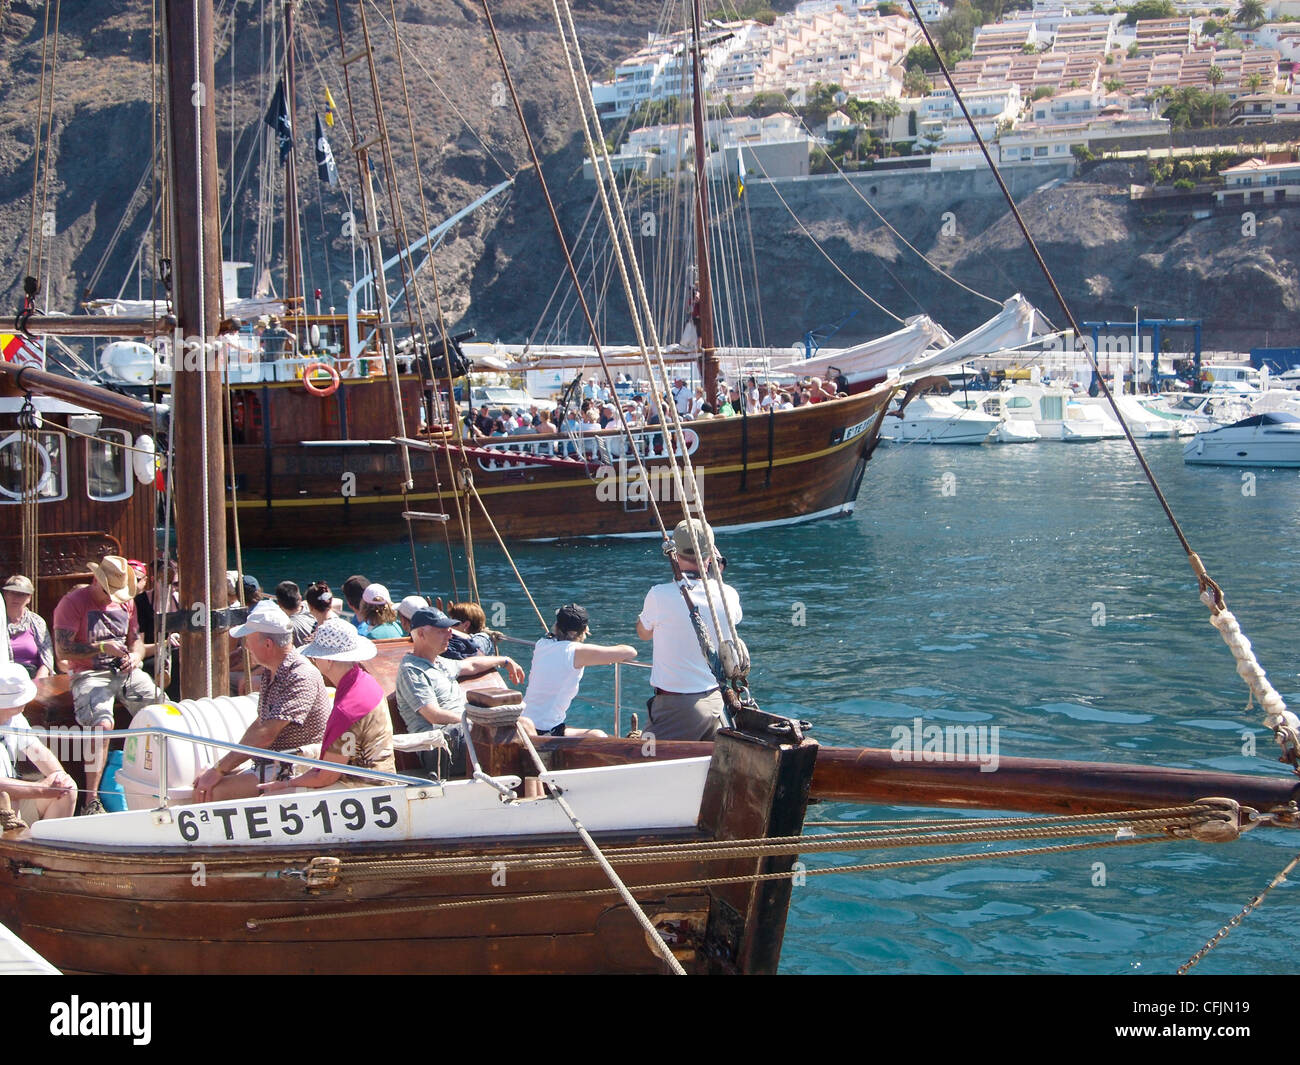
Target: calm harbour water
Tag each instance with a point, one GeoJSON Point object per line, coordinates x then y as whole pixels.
{"type": "Point", "coordinates": [977, 606]}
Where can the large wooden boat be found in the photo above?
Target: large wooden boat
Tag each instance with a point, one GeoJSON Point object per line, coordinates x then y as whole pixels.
{"type": "Point", "coordinates": [311, 469]}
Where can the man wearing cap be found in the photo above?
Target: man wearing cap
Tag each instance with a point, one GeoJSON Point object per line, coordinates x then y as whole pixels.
{"type": "Point", "coordinates": [687, 704]}
{"type": "Point", "coordinates": [55, 794]}
{"type": "Point", "coordinates": [428, 696]}
{"type": "Point", "coordinates": [406, 610]}
{"type": "Point", "coordinates": [292, 708]}
{"type": "Point", "coordinates": [98, 636]}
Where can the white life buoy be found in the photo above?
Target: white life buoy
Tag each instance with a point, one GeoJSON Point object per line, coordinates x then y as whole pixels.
{"type": "Point", "coordinates": [142, 460]}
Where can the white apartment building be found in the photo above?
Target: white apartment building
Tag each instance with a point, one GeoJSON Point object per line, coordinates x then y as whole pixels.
{"type": "Point", "coordinates": [1252, 109]}
{"type": "Point", "coordinates": [1086, 34]}
{"type": "Point", "coordinates": [1005, 38]}
{"type": "Point", "coordinates": [1281, 37]}
{"type": "Point", "coordinates": [661, 69]}
{"type": "Point", "coordinates": [1033, 143]}
{"type": "Point", "coordinates": [1256, 181]}
{"type": "Point", "coordinates": [775, 146]}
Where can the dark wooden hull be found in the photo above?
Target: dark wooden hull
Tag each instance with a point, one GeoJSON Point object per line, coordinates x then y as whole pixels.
{"type": "Point", "coordinates": [139, 913]}
{"type": "Point", "coordinates": [773, 469]}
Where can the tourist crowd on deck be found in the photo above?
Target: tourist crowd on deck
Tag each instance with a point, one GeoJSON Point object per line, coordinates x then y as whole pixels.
{"type": "Point", "coordinates": [111, 636]}
{"type": "Point", "coordinates": [599, 408]}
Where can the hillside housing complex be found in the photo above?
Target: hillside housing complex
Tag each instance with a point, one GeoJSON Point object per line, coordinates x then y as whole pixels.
{"type": "Point", "coordinates": [1042, 83]}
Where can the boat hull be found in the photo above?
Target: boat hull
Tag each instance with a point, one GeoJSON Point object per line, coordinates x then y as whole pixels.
{"type": "Point", "coordinates": [135, 912]}
{"type": "Point", "coordinates": [774, 469]}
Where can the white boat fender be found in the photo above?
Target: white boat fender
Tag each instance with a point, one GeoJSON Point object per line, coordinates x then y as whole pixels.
{"type": "Point", "coordinates": [144, 460]}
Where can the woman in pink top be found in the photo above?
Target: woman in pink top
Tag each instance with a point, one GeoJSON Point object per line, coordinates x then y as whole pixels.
{"type": "Point", "coordinates": [29, 638]}
{"type": "Point", "coordinates": [359, 731]}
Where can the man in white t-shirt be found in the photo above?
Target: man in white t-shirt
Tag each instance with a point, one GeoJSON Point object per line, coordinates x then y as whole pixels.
{"type": "Point", "coordinates": [55, 794]}
{"type": "Point", "coordinates": [559, 660]}
{"type": "Point", "coordinates": [688, 702]}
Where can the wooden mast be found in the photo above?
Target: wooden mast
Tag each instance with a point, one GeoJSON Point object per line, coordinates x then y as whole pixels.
{"type": "Point", "coordinates": [292, 237]}
{"type": "Point", "coordinates": [704, 285]}
{"type": "Point", "coordinates": [199, 463]}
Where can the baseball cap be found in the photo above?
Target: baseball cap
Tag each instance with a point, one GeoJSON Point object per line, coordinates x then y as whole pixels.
{"type": "Point", "coordinates": [429, 615]}
{"type": "Point", "coordinates": [682, 538]}
{"type": "Point", "coordinates": [408, 606]}
{"type": "Point", "coordinates": [376, 593]}
{"type": "Point", "coordinates": [266, 617]}
{"type": "Point", "coordinates": [571, 618]}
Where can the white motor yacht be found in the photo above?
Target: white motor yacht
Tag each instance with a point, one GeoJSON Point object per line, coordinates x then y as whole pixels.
{"type": "Point", "coordinates": [1269, 439]}
{"type": "Point", "coordinates": [932, 419]}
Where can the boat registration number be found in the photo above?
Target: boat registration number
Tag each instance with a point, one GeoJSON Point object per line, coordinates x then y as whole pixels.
{"type": "Point", "coordinates": [284, 820]}
{"type": "Point", "coordinates": [843, 436]}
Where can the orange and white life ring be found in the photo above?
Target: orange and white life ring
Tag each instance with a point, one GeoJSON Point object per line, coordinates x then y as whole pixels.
{"type": "Point", "coordinates": [316, 389]}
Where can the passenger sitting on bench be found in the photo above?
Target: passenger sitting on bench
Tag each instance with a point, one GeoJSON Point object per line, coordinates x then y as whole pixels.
{"type": "Point", "coordinates": [96, 632]}
{"type": "Point", "coordinates": [428, 695]}
{"type": "Point", "coordinates": [55, 794]}
{"type": "Point", "coordinates": [359, 731]}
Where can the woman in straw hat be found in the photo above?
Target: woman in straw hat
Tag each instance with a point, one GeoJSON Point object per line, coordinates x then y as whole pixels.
{"type": "Point", "coordinates": [359, 731]}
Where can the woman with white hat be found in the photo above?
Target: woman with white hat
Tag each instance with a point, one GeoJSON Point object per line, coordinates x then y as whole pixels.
{"type": "Point", "coordinates": [55, 795]}
{"type": "Point", "coordinates": [359, 731]}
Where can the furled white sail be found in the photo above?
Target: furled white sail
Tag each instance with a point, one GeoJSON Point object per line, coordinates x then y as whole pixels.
{"type": "Point", "coordinates": [872, 359]}
{"type": "Point", "coordinates": [1011, 327]}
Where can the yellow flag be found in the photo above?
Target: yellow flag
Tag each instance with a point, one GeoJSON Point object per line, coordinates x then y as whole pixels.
{"type": "Point", "coordinates": [330, 109]}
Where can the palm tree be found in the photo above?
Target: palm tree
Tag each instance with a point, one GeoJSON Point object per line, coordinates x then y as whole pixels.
{"type": "Point", "coordinates": [1216, 78]}
{"type": "Point", "coordinates": [1251, 14]}
{"type": "Point", "coordinates": [1254, 81]}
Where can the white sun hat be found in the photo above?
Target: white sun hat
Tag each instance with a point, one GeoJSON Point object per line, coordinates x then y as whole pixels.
{"type": "Point", "coordinates": [337, 641]}
{"type": "Point", "coordinates": [16, 687]}
{"type": "Point", "coordinates": [265, 617]}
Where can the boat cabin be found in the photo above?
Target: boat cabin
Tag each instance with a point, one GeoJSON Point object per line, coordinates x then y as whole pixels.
{"type": "Point", "coordinates": [93, 469]}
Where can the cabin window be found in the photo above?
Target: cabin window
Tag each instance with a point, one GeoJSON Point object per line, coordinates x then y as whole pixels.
{"type": "Point", "coordinates": [1018, 403]}
{"type": "Point", "coordinates": [108, 465]}
{"type": "Point", "coordinates": [1051, 408]}
{"type": "Point", "coordinates": [50, 464]}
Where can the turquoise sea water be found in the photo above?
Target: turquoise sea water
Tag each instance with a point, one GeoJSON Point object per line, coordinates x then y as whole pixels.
{"type": "Point", "coordinates": [977, 605]}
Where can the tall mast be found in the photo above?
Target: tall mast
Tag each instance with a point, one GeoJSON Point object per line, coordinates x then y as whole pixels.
{"type": "Point", "coordinates": [704, 284]}
{"type": "Point", "coordinates": [292, 239]}
{"type": "Point", "coordinates": [196, 293]}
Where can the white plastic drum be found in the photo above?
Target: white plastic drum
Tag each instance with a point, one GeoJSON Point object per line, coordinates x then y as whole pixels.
{"type": "Point", "coordinates": [222, 718]}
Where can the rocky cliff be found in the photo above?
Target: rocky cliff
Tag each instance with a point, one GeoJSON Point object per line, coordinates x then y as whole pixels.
{"type": "Point", "coordinates": [498, 270]}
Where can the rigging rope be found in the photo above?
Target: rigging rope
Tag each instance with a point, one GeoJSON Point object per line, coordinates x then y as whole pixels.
{"type": "Point", "coordinates": [1285, 726]}
{"type": "Point", "coordinates": [1223, 932]}
{"type": "Point", "coordinates": [652, 933]}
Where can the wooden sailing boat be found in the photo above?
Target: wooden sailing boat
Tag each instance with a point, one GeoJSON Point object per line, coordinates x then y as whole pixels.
{"type": "Point", "coordinates": [326, 468]}
{"type": "Point", "coordinates": [421, 877]}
